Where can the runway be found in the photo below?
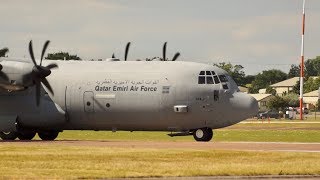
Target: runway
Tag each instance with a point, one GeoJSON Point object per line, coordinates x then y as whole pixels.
{"type": "Point", "coordinates": [242, 146]}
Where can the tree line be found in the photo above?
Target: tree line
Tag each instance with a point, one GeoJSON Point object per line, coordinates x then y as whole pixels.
{"type": "Point", "coordinates": [266, 78]}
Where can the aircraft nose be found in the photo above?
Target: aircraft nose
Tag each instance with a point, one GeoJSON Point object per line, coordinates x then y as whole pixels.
{"type": "Point", "coordinates": [253, 106]}
{"type": "Point", "coordinates": [245, 105]}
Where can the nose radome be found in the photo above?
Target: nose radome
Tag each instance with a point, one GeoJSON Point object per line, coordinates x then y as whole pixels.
{"type": "Point", "coordinates": [254, 107]}
{"type": "Point", "coordinates": [245, 105]}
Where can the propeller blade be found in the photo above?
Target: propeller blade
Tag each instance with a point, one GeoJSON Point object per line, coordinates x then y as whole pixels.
{"type": "Point", "coordinates": [38, 91]}
{"type": "Point", "coordinates": [164, 51]}
{"type": "Point", "coordinates": [176, 56]}
{"type": "Point", "coordinates": [113, 56]}
{"type": "Point", "coordinates": [4, 76]}
{"type": "Point", "coordinates": [53, 65]}
{"type": "Point", "coordinates": [4, 51]}
{"type": "Point", "coordinates": [47, 85]}
{"type": "Point", "coordinates": [31, 53]}
{"type": "Point", "coordinates": [127, 50]}
{"type": "Point", "coordinates": [45, 46]}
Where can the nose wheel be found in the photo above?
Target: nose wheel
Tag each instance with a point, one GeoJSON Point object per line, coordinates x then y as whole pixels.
{"type": "Point", "coordinates": [203, 134]}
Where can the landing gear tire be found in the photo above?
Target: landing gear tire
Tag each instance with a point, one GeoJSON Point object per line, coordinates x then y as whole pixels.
{"type": "Point", "coordinates": [203, 134]}
{"type": "Point", "coordinates": [49, 135]}
{"type": "Point", "coordinates": [26, 135]}
{"type": "Point", "coordinates": [8, 136]}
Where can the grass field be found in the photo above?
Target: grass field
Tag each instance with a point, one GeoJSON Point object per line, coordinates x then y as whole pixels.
{"type": "Point", "coordinates": [40, 160]}
{"type": "Point", "coordinates": [263, 132]}
{"type": "Point", "coordinates": [52, 161]}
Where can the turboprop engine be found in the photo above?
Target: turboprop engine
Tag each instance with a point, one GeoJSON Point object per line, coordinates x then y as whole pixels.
{"type": "Point", "coordinates": [17, 75]}
{"type": "Point", "coordinates": [14, 74]}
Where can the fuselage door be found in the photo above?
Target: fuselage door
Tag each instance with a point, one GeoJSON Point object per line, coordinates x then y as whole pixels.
{"type": "Point", "coordinates": [88, 102]}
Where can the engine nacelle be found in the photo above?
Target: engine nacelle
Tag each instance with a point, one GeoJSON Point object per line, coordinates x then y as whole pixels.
{"type": "Point", "coordinates": [19, 74]}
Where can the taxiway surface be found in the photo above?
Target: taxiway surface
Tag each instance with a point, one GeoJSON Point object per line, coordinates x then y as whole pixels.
{"type": "Point", "coordinates": [242, 146]}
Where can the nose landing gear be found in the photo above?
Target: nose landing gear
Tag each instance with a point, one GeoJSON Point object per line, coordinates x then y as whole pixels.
{"type": "Point", "coordinates": [203, 134]}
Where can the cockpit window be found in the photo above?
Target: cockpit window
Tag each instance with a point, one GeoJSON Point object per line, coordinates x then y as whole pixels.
{"type": "Point", "coordinates": [216, 79]}
{"type": "Point", "coordinates": [209, 77]}
{"type": "Point", "coordinates": [223, 78]}
{"type": "Point", "coordinates": [209, 80]}
{"type": "Point", "coordinates": [201, 80]}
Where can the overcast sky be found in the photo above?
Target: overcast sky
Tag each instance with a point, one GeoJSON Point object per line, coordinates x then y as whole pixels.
{"type": "Point", "coordinates": [258, 34]}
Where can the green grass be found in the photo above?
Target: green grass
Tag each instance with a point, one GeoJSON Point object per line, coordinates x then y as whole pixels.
{"type": "Point", "coordinates": [268, 135]}
{"type": "Point", "coordinates": [49, 160]}
{"type": "Point", "coordinates": [263, 132]}
{"type": "Point", "coordinates": [52, 161]}
{"type": "Point", "coordinates": [220, 135]}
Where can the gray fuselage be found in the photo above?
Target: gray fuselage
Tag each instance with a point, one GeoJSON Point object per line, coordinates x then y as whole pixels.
{"type": "Point", "coordinates": [132, 95]}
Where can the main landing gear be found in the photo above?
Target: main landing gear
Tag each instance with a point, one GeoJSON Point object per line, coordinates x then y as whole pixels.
{"type": "Point", "coordinates": [29, 135]}
{"type": "Point", "coordinates": [203, 134]}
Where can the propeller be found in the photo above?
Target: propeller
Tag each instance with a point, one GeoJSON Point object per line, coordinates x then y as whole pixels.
{"type": "Point", "coordinates": [127, 50]}
{"type": "Point", "coordinates": [2, 74]}
{"type": "Point", "coordinates": [164, 51]}
{"type": "Point", "coordinates": [39, 72]}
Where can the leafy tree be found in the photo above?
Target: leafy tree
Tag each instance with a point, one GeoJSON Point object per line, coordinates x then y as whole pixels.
{"type": "Point", "coordinates": [270, 90]}
{"type": "Point", "coordinates": [311, 68]}
{"type": "Point", "coordinates": [280, 103]}
{"type": "Point", "coordinates": [248, 79]}
{"type": "Point", "coordinates": [294, 71]}
{"type": "Point", "coordinates": [3, 52]}
{"type": "Point", "coordinates": [296, 88]}
{"type": "Point", "coordinates": [61, 56]}
{"type": "Point", "coordinates": [266, 78]}
{"type": "Point", "coordinates": [277, 103]}
{"type": "Point", "coordinates": [235, 71]}
{"type": "Point", "coordinates": [292, 99]}
{"type": "Point", "coordinates": [310, 84]}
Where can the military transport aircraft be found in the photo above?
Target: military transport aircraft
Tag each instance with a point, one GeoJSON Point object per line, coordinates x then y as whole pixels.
{"type": "Point", "coordinates": [184, 98]}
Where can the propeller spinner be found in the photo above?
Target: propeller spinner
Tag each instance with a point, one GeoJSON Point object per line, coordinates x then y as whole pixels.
{"type": "Point", "coordinates": [39, 72]}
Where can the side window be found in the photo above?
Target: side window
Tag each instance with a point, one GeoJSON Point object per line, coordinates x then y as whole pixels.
{"type": "Point", "coordinates": [201, 73]}
{"type": "Point", "coordinates": [223, 78]}
{"type": "Point", "coordinates": [225, 86]}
